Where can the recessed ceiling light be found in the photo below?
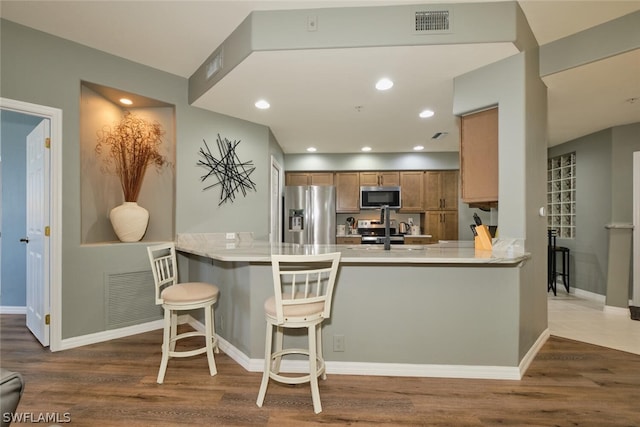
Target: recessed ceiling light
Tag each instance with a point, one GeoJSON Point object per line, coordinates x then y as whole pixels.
{"type": "Point", "coordinates": [418, 148]}
{"type": "Point", "coordinates": [426, 113]}
{"type": "Point", "coordinates": [384, 84]}
{"type": "Point", "coordinates": [312, 149]}
{"type": "Point", "coordinates": [366, 149]}
{"type": "Point", "coordinates": [262, 104]}
{"type": "Point", "coordinates": [126, 101]}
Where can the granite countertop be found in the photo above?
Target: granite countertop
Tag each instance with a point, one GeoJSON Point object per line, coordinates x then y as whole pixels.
{"type": "Point", "coordinates": [245, 249]}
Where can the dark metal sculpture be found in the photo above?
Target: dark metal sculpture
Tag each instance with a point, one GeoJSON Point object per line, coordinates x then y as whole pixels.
{"type": "Point", "coordinates": [231, 173]}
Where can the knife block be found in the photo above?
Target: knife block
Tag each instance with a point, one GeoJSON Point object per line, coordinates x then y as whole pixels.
{"type": "Point", "coordinates": [483, 239]}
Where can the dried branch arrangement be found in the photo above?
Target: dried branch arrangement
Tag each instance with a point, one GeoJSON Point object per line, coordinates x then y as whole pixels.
{"type": "Point", "coordinates": [127, 148]}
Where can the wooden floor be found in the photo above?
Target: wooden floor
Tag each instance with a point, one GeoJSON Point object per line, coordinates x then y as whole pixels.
{"type": "Point", "coordinates": [114, 384]}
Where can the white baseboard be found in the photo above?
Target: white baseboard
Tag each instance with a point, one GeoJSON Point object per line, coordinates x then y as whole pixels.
{"type": "Point", "coordinates": [97, 337]}
{"type": "Point", "coordinates": [616, 310]}
{"type": "Point", "coordinates": [333, 367]}
{"type": "Point", "coordinates": [588, 295]}
{"type": "Point", "coordinates": [389, 369]}
{"type": "Point", "coordinates": [7, 309]}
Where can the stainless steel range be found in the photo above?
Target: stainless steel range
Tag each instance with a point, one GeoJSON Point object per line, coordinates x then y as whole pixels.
{"type": "Point", "coordinates": [372, 232]}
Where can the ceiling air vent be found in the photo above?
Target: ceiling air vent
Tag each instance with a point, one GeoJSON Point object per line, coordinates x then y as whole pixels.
{"type": "Point", "coordinates": [214, 65]}
{"type": "Point", "coordinates": [432, 21]}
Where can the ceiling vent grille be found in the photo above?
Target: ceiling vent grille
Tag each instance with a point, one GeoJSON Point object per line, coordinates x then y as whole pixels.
{"type": "Point", "coordinates": [432, 21]}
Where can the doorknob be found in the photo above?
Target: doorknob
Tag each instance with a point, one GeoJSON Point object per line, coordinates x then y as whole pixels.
{"type": "Point", "coordinates": [25, 240]}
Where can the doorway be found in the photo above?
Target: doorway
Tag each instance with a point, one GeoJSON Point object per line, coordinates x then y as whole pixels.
{"type": "Point", "coordinates": [53, 260]}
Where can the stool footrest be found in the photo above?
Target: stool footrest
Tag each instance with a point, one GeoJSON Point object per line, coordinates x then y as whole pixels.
{"type": "Point", "coordinates": [295, 379]}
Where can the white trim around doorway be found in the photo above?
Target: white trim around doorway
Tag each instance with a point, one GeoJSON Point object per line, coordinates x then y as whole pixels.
{"type": "Point", "coordinates": [55, 280]}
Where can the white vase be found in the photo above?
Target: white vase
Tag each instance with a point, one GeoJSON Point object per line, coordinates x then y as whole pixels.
{"type": "Point", "coordinates": [129, 221]}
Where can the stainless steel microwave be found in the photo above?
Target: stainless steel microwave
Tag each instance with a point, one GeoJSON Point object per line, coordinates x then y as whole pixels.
{"type": "Point", "coordinates": [375, 197]}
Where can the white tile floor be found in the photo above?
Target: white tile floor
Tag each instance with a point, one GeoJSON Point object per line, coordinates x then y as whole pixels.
{"type": "Point", "coordinates": [583, 319]}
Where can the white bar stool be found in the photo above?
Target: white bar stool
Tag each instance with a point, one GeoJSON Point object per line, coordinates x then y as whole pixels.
{"type": "Point", "coordinates": [176, 297]}
{"type": "Point", "coordinates": [303, 288]}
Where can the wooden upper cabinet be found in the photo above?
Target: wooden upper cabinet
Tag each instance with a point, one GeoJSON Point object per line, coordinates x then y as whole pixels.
{"type": "Point", "coordinates": [441, 190]}
{"type": "Point", "coordinates": [388, 178]}
{"type": "Point", "coordinates": [309, 178]}
{"type": "Point", "coordinates": [412, 187]}
{"type": "Point", "coordinates": [347, 192]}
{"type": "Point", "coordinates": [479, 157]}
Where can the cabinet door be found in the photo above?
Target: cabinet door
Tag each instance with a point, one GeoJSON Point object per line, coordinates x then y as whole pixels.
{"type": "Point", "coordinates": [388, 178]}
{"type": "Point", "coordinates": [412, 187]}
{"type": "Point", "coordinates": [391, 178]}
{"type": "Point", "coordinates": [309, 178]}
{"type": "Point", "coordinates": [479, 156]}
{"type": "Point", "coordinates": [321, 178]}
{"type": "Point", "coordinates": [297, 178]}
{"type": "Point", "coordinates": [432, 186]}
{"type": "Point", "coordinates": [449, 225]}
{"type": "Point", "coordinates": [432, 226]}
{"type": "Point", "coordinates": [347, 192]}
{"type": "Point", "coordinates": [369, 178]}
{"type": "Point", "coordinates": [442, 225]}
{"type": "Point", "coordinates": [449, 190]}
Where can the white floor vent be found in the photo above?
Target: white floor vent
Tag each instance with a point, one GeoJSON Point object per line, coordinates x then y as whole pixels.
{"type": "Point", "coordinates": [432, 21]}
{"type": "Point", "coordinates": [129, 299]}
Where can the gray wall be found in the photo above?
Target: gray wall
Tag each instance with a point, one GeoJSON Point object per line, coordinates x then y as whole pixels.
{"type": "Point", "coordinates": [14, 128]}
{"type": "Point", "coordinates": [85, 268]}
{"type": "Point", "coordinates": [604, 194]}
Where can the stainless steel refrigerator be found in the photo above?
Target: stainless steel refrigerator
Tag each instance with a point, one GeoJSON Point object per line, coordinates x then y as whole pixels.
{"type": "Point", "coordinates": [310, 214]}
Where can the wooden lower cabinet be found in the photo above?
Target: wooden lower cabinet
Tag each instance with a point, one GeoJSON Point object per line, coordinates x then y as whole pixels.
{"type": "Point", "coordinates": [441, 225]}
{"type": "Point", "coordinates": [348, 240]}
{"type": "Point", "coordinates": [417, 240]}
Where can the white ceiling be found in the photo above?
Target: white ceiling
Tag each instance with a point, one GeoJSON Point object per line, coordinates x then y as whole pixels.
{"type": "Point", "coordinates": [314, 94]}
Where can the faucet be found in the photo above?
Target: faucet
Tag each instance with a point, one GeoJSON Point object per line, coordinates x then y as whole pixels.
{"type": "Point", "coordinates": [385, 217]}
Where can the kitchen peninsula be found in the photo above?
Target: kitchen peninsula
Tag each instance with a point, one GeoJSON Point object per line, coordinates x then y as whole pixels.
{"type": "Point", "coordinates": [434, 310]}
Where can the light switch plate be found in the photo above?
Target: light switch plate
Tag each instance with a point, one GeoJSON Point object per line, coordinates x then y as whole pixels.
{"type": "Point", "coordinates": [231, 236]}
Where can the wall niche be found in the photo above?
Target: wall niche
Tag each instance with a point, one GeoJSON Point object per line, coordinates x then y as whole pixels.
{"type": "Point", "coordinates": [100, 192]}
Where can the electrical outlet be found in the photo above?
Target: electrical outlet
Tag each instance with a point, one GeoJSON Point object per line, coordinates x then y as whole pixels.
{"type": "Point", "coordinates": [231, 236]}
{"type": "Point", "coordinates": [338, 343]}
{"type": "Point", "coordinates": [312, 23]}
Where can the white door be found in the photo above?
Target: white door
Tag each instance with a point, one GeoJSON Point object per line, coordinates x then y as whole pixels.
{"type": "Point", "coordinates": [275, 233]}
{"type": "Point", "coordinates": [37, 232]}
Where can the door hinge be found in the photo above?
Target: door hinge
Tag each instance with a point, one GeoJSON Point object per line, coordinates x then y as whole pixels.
{"type": "Point", "coordinates": [47, 231]}
{"type": "Point", "coordinates": [47, 142]}
{"type": "Point", "coordinates": [47, 319]}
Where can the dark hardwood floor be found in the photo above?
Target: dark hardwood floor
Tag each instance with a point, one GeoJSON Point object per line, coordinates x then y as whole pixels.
{"type": "Point", "coordinates": [114, 384]}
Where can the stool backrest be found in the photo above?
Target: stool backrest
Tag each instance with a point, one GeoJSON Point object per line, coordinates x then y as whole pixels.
{"type": "Point", "coordinates": [163, 267]}
{"type": "Point", "coordinates": [304, 279]}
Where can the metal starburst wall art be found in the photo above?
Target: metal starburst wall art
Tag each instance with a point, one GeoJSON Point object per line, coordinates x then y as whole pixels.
{"type": "Point", "coordinates": [232, 175]}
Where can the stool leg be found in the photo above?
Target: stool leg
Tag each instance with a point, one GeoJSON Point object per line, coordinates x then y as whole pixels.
{"type": "Point", "coordinates": [278, 347]}
{"type": "Point", "coordinates": [565, 270]}
{"type": "Point", "coordinates": [313, 370]}
{"type": "Point", "coordinates": [267, 366]}
{"type": "Point", "coordinates": [319, 350]}
{"type": "Point", "coordinates": [166, 340]}
{"type": "Point", "coordinates": [174, 330]}
{"type": "Point", "coordinates": [208, 325]}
